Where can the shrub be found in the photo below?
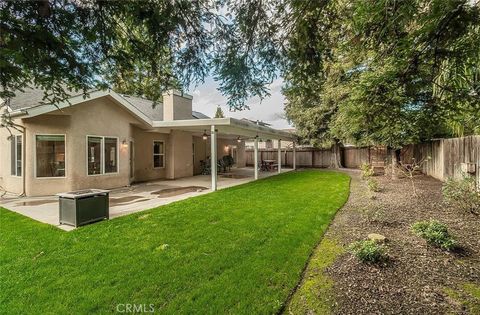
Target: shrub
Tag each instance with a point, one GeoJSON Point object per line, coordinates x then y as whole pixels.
{"type": "Point", "coordinates": [462, 194]}
{"type": "Point", "coordinates": [373, 185]}
{"type": "Point", "coordinates": [435, 233]}
{"type": "Point", "coordinates": [368, 251]}
{"type": "Point", "coordinates": [367, 170]}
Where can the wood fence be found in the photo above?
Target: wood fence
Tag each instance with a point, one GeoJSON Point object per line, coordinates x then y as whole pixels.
{"type": "Point", "coordinates": [352, 157]}
{"type": "Point", "coordinates": [446, 156]}
{"type": "Point", "coordinates": [304, 157]}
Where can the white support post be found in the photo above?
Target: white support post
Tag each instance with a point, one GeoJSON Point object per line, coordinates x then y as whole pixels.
{"type": "Point", "coordinates": [255, 157]}
{"type": "Point", "coordinates": [294, 156]}
{"type": "Point", "coordinates": [279, 156]}
{"type": "Point", "coordinates": [213, 157]}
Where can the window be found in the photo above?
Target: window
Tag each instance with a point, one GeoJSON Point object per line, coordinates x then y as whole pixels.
{"type": "Point", "coordinates": [158, 154]}
{"type": "Point", "coordinates": [50, 155]}
{"type": "Point", "coordinates": [102, 155]}
{"type": "Point", "coordinates": [94, 148]}
{"type": "Point", "coordinates": [111, 153]}
{"type": "Point", "coordinates": [16, 155]}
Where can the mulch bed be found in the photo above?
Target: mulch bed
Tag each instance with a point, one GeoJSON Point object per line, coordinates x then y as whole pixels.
{"type": "Point", "coordinates": [414, 279]}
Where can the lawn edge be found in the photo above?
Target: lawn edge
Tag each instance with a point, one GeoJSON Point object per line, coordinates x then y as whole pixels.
{"type": "Point", "coordinates": [294, 290]}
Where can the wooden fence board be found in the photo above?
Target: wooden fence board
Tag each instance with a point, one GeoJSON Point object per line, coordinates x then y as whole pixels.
{"type": "Point", "coordinates": [446, 156]}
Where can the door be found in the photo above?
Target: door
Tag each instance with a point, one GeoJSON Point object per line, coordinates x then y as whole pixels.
{"type": "Point", "coordinates": [234, 154]}
{"type": "Point", "coordinates": [132, 160]}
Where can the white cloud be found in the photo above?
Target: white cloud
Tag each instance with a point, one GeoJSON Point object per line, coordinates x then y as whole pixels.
{"type": "Point", "coordinates": [206, 98]}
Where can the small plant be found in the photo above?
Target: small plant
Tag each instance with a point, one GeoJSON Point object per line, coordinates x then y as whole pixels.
{"type": "Point", "coordinates": [435, 233]}
{"type": "Point", "coordinates": [373, 185]}
{"type": "Point", "coordinates": [462, 194]}
{"type": "Point", "coordinates": [367, 170]}
{"type": "Point", "coordinates": [368, 251]}
{"type": "Point", "coordinates": [410, 169]}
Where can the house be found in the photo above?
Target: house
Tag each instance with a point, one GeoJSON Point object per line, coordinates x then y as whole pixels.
{"type": "Point", "coordinates": [107, 140]}
{"type": "Point", "coordinates": [270, 143]}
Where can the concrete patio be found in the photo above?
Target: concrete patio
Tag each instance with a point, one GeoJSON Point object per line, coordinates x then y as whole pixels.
{"type": "Point", "coordinates": [135, 198]}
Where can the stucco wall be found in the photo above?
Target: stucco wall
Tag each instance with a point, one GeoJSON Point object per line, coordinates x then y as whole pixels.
{"type": "Point", "coordinates": [100, 117]}
{"type": "Point", "coordinates": [180, 154]}
{"type": "Point", "coordinates": [200, 153]}
{"type": "Point", "coordinates": [176, 107]}
{"type": "Point", "coordinates": [8, 182]}
{"type": "Point", "coordinates": [143, 161]}
{"type": "Point", "coordinates": [104, 117]}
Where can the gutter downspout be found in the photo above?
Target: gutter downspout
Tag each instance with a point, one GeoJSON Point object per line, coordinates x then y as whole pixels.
{"type": "Point", "coordinates": [24, 161]}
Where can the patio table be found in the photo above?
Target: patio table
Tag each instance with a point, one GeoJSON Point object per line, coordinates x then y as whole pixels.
{"type": "Point", "coordinates": [269, 164]}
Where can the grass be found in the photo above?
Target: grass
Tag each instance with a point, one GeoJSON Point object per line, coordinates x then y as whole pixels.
{"type": "Point", "coordinates": [239, 250]}
{"type": "Point", "coordinates": [315, 295]}
{"type": "Point", "coordinates": [468, 296]}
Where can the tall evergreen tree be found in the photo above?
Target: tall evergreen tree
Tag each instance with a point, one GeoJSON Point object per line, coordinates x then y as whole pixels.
{"type": "Point", "coordinates": [219, 113]}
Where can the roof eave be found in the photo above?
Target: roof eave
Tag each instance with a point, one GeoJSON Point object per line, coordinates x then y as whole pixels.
{"type": "Point", "coordinates": [47, 108]}
{"type": "Point", "coordinates": [240, 125]}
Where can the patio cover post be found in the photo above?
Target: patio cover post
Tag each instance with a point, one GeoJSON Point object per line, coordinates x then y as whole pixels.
{"type": "Point", "coordinates": [255, 157]}
{"type": "Point", "coordinates": [294, 156]}
{"type": "Point", "coordinates": [213, 157]}
{"type": "Point", "coordinates": [279, 156]}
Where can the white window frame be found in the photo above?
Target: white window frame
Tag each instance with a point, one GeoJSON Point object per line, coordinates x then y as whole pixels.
{"type": "Point", "coordinates": [16, 156]}
{"type": "Point", "coordinates": [159, 154]}
{"type": "Point", "coordinates": [35, 155]}
{"type": "Point", "coordinates": [102, 155]}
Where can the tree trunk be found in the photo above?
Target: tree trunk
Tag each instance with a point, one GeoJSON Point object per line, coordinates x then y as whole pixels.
{"type": "Point", "coordinates": [394, 162]}
{"type": "Point", "coordinates": [336, 159]}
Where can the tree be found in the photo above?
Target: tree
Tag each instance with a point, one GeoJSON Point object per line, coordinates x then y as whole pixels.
{"type": "Point", "coordinates": [74, 45]}
{"type": "Point", "coordinates": [366, 72]}
{"type": "Point", "coordinates": [219, 113]}
{"type": "Point", "coordinates": [370, 72]}
{"type": "Point", "coordinates": [308, 70]}
{"type": "Point", "coordinates": [401, 51]}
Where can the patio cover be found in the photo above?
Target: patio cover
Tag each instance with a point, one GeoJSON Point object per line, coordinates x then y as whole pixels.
{"type": "Point", "coordinates": [228, 128]}
{"type": "Point", "coordinates": [225, 126]}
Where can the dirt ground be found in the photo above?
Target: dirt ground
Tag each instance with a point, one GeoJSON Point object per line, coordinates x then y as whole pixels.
{"type": "Point", "coordinates": [416, 279]}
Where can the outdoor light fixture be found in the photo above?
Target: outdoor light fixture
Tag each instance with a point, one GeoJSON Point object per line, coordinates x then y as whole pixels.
{"type": "Point", "coordinates": [124, 143]}
{"type": "Point", "coordinates": [239, 139]}
{"type": "Point", "coordinates": [205, 136]}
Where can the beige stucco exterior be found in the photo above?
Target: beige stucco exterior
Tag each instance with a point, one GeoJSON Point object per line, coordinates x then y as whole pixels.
{"type": "Point", "coordinates": [176, 106]}
{"type": "Point", "coordinates": [105, 117]}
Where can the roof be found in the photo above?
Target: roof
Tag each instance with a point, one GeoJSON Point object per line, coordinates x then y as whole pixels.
{"type": "Point", "coordinates": [29, 104]}
{"type": "Point", "coordinates": [257, 122]}
{"type": "Point", "coordinates": [226, 125]}
{"type": "Point", "coordinates": [151, 110]}
{"type": "Point", "coordinates": [199, 115]}
{"type": "Point", "coordinates": [33, 97]}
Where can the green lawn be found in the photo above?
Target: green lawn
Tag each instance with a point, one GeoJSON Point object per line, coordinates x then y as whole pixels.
{"type": "Point", "coordinates": [238, 250]}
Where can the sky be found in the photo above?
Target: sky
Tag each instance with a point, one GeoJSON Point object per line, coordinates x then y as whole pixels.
{"type": "Point", "coordinates": [206, 98]}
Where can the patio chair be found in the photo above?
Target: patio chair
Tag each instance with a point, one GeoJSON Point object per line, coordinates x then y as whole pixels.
{"type": "Point", "coordinates": [263, 166]}
{"type": "Point", "coordinates": [205, 166]}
